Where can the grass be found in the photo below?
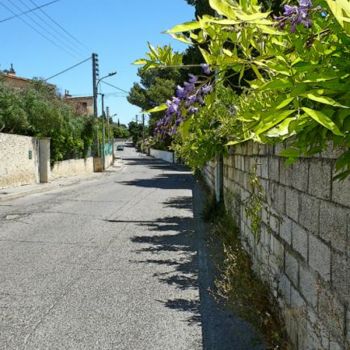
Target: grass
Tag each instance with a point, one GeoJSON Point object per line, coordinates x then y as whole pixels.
{"type": "Point", "coordinates": [237, 284]}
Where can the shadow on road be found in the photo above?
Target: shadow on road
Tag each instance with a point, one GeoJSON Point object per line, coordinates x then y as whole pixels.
{"type": "Point", "coordinates": [178, 244]}
{"type": "Point", "coordinates": [167, 181]}
{"type": "Point", "coordinates": [173, 235]}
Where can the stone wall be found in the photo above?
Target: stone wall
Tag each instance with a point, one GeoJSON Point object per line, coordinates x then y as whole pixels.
{"type": "Point", "coordinates": [209, 172]}
{"type": "Point", "coordinates": [19, 160]}
{"type": "Point", "coordinates": [72, 167]}
{"type": "Point", "coordinates": [302, 247]}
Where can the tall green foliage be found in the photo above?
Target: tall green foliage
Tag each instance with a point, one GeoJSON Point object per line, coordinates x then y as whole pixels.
{"type": "Point", "coordinates": [38, 111]}
{"type": "Point", "coordinates": [300, 85]}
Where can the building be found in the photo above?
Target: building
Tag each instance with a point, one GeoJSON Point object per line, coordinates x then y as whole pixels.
{"type": "Point", "coordinates": [83, 105]}
{"type": "Point", "coordinates": [10, 79]}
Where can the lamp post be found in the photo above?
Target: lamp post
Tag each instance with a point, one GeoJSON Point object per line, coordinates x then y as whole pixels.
{"type": "Point", "coordinates": [103, 114]}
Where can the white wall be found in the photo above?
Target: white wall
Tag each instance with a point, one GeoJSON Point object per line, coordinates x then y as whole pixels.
{"type": "Point", "coordinates": [164, 155]}
{"type": "Point", "coordinates": [16, 167]}
{"type": "Point", "coordinates": [72, 167]}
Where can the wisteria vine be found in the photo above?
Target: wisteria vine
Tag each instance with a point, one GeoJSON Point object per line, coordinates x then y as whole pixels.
{"type": "Point", "coordinates": [187, 101]}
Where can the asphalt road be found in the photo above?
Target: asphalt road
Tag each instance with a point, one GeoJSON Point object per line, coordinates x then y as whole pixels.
{"type": "Point", "coordinates": [111, 263]}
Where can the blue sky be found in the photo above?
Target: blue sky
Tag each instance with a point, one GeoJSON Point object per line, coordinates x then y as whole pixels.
{"type": "Point", "coordinates": [118, 30]}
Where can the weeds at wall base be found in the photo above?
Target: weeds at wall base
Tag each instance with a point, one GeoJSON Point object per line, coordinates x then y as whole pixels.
{"type": "Point", "coordinates": [237, 284]}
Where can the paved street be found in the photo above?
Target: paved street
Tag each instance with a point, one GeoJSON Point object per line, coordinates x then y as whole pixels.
{"type": "Point", "coordinates": [110, 263]}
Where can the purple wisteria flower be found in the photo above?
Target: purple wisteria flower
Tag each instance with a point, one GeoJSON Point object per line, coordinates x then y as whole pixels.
{"type": "Point", "coordinates": [187, 101]}
{"type": "Point", "coordinates": [206, 69]}
{"type": "Point", "coordinates": [296, 15]}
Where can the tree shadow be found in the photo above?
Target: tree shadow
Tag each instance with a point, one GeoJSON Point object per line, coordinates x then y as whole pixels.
{"type": "Point", "coordinates": [156, 164]}
{"type": "Point", "coordinates": [179, 203]}
{"type": "Point", "coordinates": [172, 245]}
{"type": "Point", "coordinates": [166, 181]}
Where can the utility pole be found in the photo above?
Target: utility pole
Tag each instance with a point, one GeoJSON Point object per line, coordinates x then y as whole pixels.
{"type": "Point", "coordinates": [137, 119]}
{"type": "Point", "coordinates": [107, 116]}
{"type": "Point", "coordinates": [95, 77]}
{"type": "Point", "coordinates": [143, 132]}
{"type": "Point", "coordinates": [103, 129]}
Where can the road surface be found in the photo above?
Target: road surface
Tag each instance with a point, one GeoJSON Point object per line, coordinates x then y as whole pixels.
{"type": "Point", "coordinates": [110, 263]}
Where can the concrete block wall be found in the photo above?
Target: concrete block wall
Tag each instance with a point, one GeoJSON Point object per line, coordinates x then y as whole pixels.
{"type": "Point", "coordinates": [72, 167]}
{"type": "Point", "coordinates": [19, 160]}
{"type": "Point", "coordinates": [209, 173]}
{"type": "Point", "coordinates": [302, 249]}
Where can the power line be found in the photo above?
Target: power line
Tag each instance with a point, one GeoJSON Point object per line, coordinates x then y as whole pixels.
{"type": "Point", "coordinates": [31, 10]}
{"type": "Point", "coordinates": [116, 87]}
{"type": "Point", "coordinates": [36, 30]}
{"type": "Point", "coordinates": [68, 69]}
{"type": "Point", "coordinates": [61, 27]}
{"type": "Point", "coordinates": [45, 30]}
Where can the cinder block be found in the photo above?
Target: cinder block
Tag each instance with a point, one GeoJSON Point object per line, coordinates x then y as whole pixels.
{"type": "Point", "coordinates": [333, 224]}
{"type": "Point", "coordinates": [320, 179]}
{"type": "Point", "coordinates": [278, 196]}
{"type": "Point", "coordinates": [341, 275]}
{"type": "Point", "coordinates": [265, 237]}
{"type": "Point", "coordinates": [300, 240]}
{"type": "Point", "coordinates": [309, 213]}
{"type": "Point", "coordinates": [317, 334]}
{"type": "Point", "coordinates": [332, 312]}
{"type": "Point", "coordinates": [320, 257]}
{"type": "Point", "coordinates": [253, 167]}
{"type": "Point", "coordinates": [264, 164]}
{"type": "Point", "coordinates": [284, 288]}
{"type": "Point", "coordinates": [297, 303]}
{"type": "Point", "coordinates": [284, 172]}
{"type": "Point", "coordinates": [299, 175]}
{"type": "Point", "coordinates": [263, 149]}
{"type": "Point", "coordinates": [341, 192]}
{"type": "Point", "coordinates": [308, 285]}
{"type": "Point", "coordinates": [348, 327]}
{"type": "Point", "coordinates": [247, 167]}
{"type": "Point", "coordinates": [334, 345]}
{"type": "Point", "coordinates": [286, 230]}
{"type": "Point", "coordinates": [292, 268]}
{"type": "Point", "coordinates": [274, 223]}
{"type": "Point", "coordinates": [292, 204]}
{"type": "Point", "coordinates": [277, 249]}
{"type": "Point", "coordinates": [273, 169]}
{"type": "Point", "coordinates": [255, 148]}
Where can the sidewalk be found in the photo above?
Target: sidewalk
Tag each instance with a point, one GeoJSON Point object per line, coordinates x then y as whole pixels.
{"type": "Point", "coordinates": [15, 192]}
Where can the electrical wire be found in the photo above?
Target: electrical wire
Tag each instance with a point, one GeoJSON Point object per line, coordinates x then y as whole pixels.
{"type": "Point", "coordinates": [55, 31]}
{"type": "Point", "coordinates": [68, 34]}
{"type": "Point", "coordinates": [115, 87]}
{"type": "Point", "coordinates": [36, 30]}
{"type": "Point", "coordinates": [53, 36]}
{"type": "Point", "coordinates": [31, 10]}
{"type": "Point", "coordinates": [67, 69]}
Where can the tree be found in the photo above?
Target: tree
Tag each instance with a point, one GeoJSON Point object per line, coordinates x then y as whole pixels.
{"type": "Point", "coordinates": [155, 87]}
{"type": "Point", "coordinates": [135, 131]}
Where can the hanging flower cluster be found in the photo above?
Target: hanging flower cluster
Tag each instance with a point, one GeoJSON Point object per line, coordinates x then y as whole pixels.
{"type": "Point", "coordinates": [296, 15]}
{"type": "Point", "coordinates": [187, 100]}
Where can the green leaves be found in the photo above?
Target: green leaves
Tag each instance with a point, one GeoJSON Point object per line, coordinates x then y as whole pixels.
{"type": "Point", "coordinates": [160, 108]}
{"type": "Point", "coordinates": [158, 57]}
{"type": "Point", "coordinates": [323, 99]}
{"type": "Point", "coordinates": [185, 27]}
{"type": "Point", "coordinates": [323, 119]}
